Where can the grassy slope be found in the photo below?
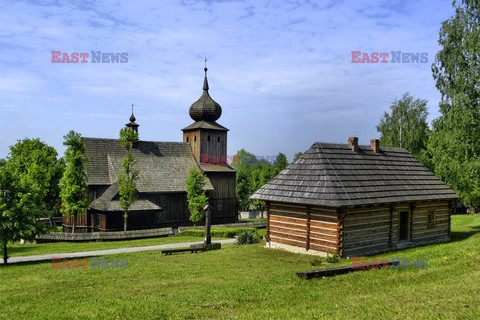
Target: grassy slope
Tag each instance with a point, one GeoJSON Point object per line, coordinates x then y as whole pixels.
{"type": "Point", "coordinates": [254, 283]}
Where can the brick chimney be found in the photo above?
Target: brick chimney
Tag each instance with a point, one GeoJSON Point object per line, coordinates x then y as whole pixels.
{"type": "Point", "coordinates": [353, 143]}
{"type": "Point", "coordinates": [375, 145]}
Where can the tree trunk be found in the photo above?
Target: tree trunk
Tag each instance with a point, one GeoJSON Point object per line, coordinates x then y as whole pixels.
{"type": "Point", "coordinates": [74, 224]}
{"type": "Point", "coordinates": [125, 217]}
{"type": "Point", "coordinates": [5, 256]}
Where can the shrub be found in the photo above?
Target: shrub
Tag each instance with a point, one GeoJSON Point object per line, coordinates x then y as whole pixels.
{"type": "Point", "coordinates": [316, 262]}
{"type": "Point", "coordinates": [333, 257]}
{"type": "Point", "coordinates": [216, 232]}
{"type": "Point", "coordinates": [247, 237]}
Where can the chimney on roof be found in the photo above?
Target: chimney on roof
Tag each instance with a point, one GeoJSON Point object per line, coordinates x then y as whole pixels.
{"type": "Point", "coordinates": [375, 145]}
{"type": "Point", "coordinates": [353, 143]}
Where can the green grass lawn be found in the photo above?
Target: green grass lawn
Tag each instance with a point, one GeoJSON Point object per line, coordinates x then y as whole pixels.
{"type": "Point", "coordinates": [251, 282]}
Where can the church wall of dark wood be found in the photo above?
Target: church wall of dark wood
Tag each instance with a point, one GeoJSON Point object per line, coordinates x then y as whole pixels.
{"type": "Point", "coordinates": [213, 147]}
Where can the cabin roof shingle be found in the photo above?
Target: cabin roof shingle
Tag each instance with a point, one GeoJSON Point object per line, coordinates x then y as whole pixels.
{"type": "Point", "coordinates": [163, 166]}
{"type": "Point", "coordinates": [335, 176]}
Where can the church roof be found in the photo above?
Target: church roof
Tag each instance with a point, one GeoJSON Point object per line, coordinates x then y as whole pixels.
{"type": "Point", "coordinates": [106, 202]}
{"type": "Point", "coordinates": [163, 166]}
{"type": "Point", "coordinates": [212, 125]}
{"type": "Point", "coordinates": [335, 176]}
{"type": "Point", "coordinates": [205, 108]}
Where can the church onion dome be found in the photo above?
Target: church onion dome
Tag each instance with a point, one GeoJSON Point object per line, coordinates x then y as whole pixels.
{"type": "Point", "coordinates": [205, 108]}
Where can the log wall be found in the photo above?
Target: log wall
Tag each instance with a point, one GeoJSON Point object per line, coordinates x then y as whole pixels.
{"type": "Point", "coordinates": [375, 229]}
{"type": "Point", "coordinates": [305, 227]}
{"type": "Point", "coordinates": [367, 229]}
{"type": "Point", "coordinates": [440, 228]}
{"type": "Point", "coordinates": [359, 230]}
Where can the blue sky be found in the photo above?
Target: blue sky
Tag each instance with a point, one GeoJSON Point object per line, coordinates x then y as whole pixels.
{"type": "Point", "coordinates": [281, 70]}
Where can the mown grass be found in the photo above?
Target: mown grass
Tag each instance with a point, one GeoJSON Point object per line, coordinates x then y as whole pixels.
{"type": "Point", "coordinates": [251, 282]}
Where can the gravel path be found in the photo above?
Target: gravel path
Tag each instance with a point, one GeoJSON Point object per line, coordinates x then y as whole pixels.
{"type": "Point", "coordinates": [48, 257]}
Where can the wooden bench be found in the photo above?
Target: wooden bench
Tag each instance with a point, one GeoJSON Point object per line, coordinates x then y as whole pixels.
{"type": "Point", "coordinates": [168, 252]}
{"type": "Point", "coordinates": [194, 248]}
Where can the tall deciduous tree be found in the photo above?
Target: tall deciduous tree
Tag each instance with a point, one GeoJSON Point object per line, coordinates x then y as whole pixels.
{"type": "Point", "coordinates": [245, 162]}
{"type": "Point", "coordinates": [196, 197]}
{"type": "Point", "coordinates": [455, 142]}
{"type": "Point", "coordinates": [73, 184]}
{"type": "Point", "coordinates": [19, 207]}
{"type": "Point", "coordinates": [37, 162]}
{"type": "Point", "coordinates": [406, 126]}
{"type": "Point", "coordinates": [127, 187]}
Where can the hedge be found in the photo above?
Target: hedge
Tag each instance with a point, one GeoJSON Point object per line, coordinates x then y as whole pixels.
{"type": "Point", "coordinates": [216, 232]}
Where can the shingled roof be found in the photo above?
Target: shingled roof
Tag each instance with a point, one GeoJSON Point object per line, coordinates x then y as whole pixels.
{"type": "Point", "coordinates": [212, 125]}
{"type": "Point", "coordinates": [334, 175]}
{"type": "Point", "coordinates": [163, 166]}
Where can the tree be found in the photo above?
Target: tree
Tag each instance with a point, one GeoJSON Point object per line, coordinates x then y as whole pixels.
{"type": "Point", "coordinates": [19, 209]}
{"type": "Point", "coordinates": [127, 187]}
{"type": "Point", "coordinates": [243, 187]}
{"type": "Point", "coordinates": [297, 156]}
{"type": "Point", "coordinates": [37, 162]}
{"type": "Point", "coordinates": [454, 144]}
{"type": "Point", "coordinates": [280, 163]}
{"type": "Point", "coordinates": [245, 163]}
{"type": "Point", "coordinates": [196, 197]}
{"type": "Point", "coordinates": [73, 184]}
{"type": "Point", "coordinates": [406, 126]}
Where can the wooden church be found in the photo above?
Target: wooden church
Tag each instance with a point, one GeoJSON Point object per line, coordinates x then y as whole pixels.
{"type": "Point", "coordinates": [163, 168]}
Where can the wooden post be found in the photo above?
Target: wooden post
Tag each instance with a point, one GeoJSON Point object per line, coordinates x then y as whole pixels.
{"type": "Point", "coordinates": [412, 209]}
{"type": "Point", "coordinates": [390, 232]}
{"type": "Point", "coordinates": [307, 244]}
{"type": "Point", "coordinates": [340, 226]}
{"type": "Point", "coordinates": [267, 224]}
{"type": "Point", "coordinates": [208, 216]}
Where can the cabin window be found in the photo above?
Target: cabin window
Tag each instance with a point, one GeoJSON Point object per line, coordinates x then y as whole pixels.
{"type": "Point", "coordinates": [218, 139]}
{"type": "Point", "coordinates": [208, 138]}
{"type": "Point", "coordinates": [194, 138]}
{"type": "Point", "coordinates": [187, 139]}
{"type": "Point", "coordinates": [431, 218]}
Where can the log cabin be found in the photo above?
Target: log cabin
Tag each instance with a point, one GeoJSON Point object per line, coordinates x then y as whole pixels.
{"type": "Point", "coordinates": [163, 169]}
{"type": "Point", "coordinates": [356, 200]}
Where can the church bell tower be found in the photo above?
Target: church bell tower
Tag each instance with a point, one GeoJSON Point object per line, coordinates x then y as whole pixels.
{"type": "Point", "coordinates": [207, 138]}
